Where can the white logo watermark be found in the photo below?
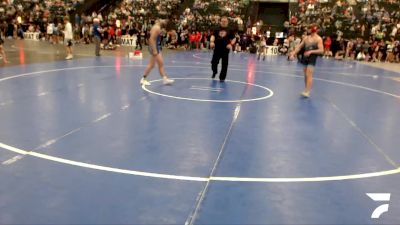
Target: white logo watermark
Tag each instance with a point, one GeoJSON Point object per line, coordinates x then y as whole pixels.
{"type": "Point", "coordinates": [380, 197]}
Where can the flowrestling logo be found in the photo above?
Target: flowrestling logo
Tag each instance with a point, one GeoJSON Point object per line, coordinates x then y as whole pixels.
{"type": "Point", "coordinates": [380, 197]}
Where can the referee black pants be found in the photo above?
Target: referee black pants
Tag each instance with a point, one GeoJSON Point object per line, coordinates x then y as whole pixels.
{"type": "Point", "coordinates": [218, 55]}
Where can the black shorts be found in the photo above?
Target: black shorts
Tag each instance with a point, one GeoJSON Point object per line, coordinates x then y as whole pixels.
{"type": "Point", "coordinates": [1, 41]}
{"type": "Point", "coordinates": [309, 61]}
{"type": "Point", "coordinates": [68, 42]}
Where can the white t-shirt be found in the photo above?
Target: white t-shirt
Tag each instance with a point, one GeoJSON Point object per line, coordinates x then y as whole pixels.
{"type": "Point", "coordinates": [263, 43]}
{"type": "Point", "coordinates": [389, 48]}
{"type": "Point", "coordinates": [394, 31]}
{"type": "Point", "coordinates": [68, 31]}
{"type": "Point", "coordinates": [50, 28]}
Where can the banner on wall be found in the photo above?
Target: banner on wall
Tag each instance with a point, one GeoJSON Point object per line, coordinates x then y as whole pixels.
{"type": "Point", "coordinates": [31, 36]}
{"type": "Point", "coordinates": [128, 40]}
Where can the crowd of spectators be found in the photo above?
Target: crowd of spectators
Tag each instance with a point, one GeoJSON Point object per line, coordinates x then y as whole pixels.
{"type": "Point", "coordinates": [351, 29]}
{"type": "Point", "coordinates": [361, 30]}
{"type": "Point", "coordinates": [19, 16]}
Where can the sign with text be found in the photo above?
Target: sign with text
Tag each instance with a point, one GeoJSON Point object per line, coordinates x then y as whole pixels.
{"type": "Point", "coordinates": [128, 40]}
{"type": "Point", "coordinates": [272, 50]}
{"type": "Point", "coordinates": [31, 36]}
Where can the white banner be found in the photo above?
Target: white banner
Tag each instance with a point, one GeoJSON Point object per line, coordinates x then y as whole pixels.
{"type": "Point", "coordinates": [31, 36]}
{"type": "Point", "coordinates": [272, 50]}
{"type": "Point", "coordinates": [128, 40]}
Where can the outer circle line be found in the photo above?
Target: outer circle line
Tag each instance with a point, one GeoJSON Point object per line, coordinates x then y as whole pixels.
{"type": "Point", "coordinates": [199, 179]}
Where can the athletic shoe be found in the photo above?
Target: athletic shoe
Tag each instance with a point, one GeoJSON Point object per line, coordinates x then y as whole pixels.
{"type": "Point", "coordinates": [144, 82]}
{"type": "Point", "coordinates": [305, 94]}
{"type": "Point", "coordinates": [167, 81]}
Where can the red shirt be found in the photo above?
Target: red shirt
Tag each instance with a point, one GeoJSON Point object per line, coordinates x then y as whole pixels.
{"type": "Point", "coordinates": [192, 37]}
{"type": "Point", "coordinates": [328, 42]}
{"type": "Point", "coordinates": [198, 37]}
{"type": "Point", "coordinates": [111, 31]}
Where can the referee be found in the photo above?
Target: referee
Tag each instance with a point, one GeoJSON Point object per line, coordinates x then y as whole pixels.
{"type": "Point", "coordinates": [221, 41]}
